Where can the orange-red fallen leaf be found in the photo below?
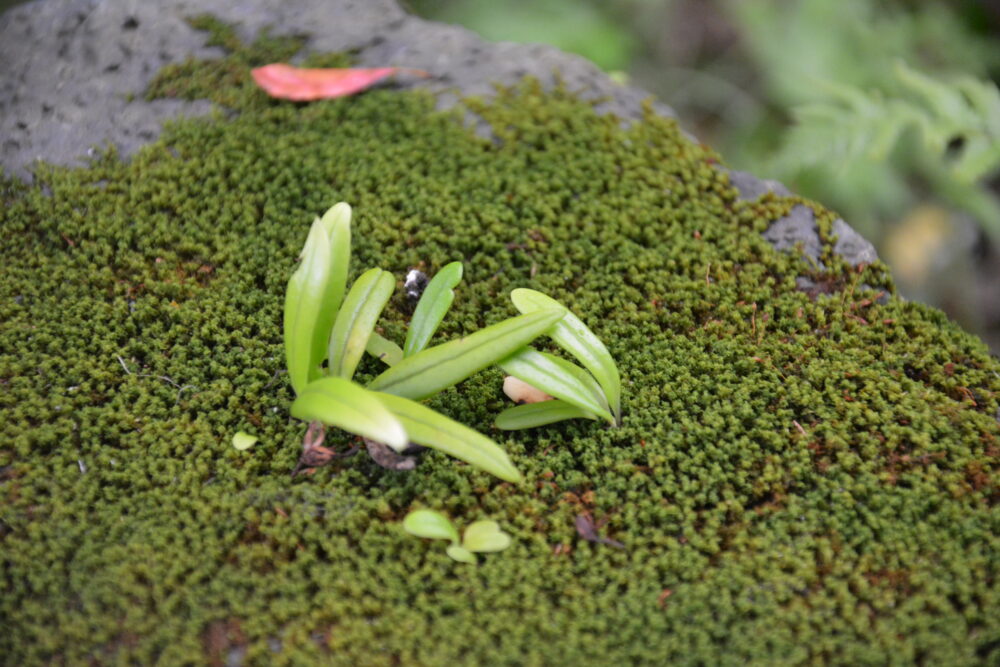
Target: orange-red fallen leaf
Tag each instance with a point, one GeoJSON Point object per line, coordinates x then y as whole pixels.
{"type": "Point", "coordinates": [303, 84]}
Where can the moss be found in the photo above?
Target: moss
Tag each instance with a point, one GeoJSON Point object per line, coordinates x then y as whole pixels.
{"type": "Point", "coordinates": [797, 479]}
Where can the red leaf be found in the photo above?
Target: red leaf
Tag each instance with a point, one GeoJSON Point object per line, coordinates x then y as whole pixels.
{"type": "Point", "coordinates": [302, 84]}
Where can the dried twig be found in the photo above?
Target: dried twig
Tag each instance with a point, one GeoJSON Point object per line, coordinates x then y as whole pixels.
{"type": "Point", "coordinates": [180, 387]}
{"type": "Point", "coordinates": [314, 454]}
{"type": "Point", "coordinates": [587, 529]}
{"type": "Point", "coordinates": [386, 457]}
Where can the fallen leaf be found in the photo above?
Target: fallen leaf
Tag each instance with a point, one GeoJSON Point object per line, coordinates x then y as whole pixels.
{"type": "Point", "coordinates": [303, 84]}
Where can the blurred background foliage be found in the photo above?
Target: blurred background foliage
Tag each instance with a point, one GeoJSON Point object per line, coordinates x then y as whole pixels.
{"type": "Point", "coordinates": [885, 111]}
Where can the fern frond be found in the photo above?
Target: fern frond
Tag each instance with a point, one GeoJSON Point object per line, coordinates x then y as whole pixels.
{"type": "Point", "coordinates": [957, 121]}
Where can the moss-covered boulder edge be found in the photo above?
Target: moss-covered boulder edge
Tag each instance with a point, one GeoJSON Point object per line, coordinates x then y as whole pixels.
{"type": "Point", "coordinates": [802, 476]}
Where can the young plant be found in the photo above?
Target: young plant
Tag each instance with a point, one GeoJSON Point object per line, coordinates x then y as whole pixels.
{"type": "Point", "coordinates": [591, 392]}
{"type": "Point", "coordinates": [322, 325]}
{"type": "Point", "coordinates": [480, 536]}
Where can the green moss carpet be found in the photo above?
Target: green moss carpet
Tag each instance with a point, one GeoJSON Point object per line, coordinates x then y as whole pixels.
{"type": "Point", "coordinates": [800, 478]}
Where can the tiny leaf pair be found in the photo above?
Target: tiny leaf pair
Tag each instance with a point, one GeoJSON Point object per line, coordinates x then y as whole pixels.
{"type": "Point", "coordinates": [577, 393]}
{"type": "Point", "coordinates": [480, 536]}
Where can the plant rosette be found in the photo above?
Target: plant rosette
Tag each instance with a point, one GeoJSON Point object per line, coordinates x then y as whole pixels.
{"type": "Point", "coordinates": [326, 333]}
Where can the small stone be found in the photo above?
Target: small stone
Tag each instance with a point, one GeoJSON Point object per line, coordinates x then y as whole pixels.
{"type": "Point", "coordinates": [520, 391]}
{"type": "Point", "coordinates": [416, 282]}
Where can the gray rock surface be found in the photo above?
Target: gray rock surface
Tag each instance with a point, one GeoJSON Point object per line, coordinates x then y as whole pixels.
{"type": "Point", "coordinates": [71, 66]}
{"type": "Point", "coordinates": [75, 70]}
{"type": "Point", "coordinates": [798, 229]}
{"type": "Point", "coordinates": [750, 187]}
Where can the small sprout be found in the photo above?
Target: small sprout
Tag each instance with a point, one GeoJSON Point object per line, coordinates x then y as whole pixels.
{"type": "Point", "coordinates": [480, 536]}
{"type": "Point", "coordinates": [244, 441]}
{"type": "Point", "coordinates": [485, 536]}
{"type": "Point", "coordinates": [461, 554]}
{"type": "Point", "coordinates": [430, 524]}
{"type": "Point", "coordinates": [521, 392]}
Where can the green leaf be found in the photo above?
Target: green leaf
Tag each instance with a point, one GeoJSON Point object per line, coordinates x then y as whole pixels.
{"type": "Point", "coordinates": [557, 377]}
{"type": "Point", "coordinates": [432, 429]}
{"type": "Point", "coordinates": [244, 441]}
{"type": "Point", "coordinates": [303, 304]}
{"type": "Point", "coordinates": [461, 554]}
{"type": "Point", "coordinates": [429, 371]}
{"type": "Point", "coordinates": [531, 415]}
{"type": "Point", "coordinates": [337, 223]}
{"type": "Point", "coordinates": [337, 401]}
{"type": "Point", "coordinates": [572, 335]}
{"type": "Point", "coordinates": [430, 524]}
{"type": "Point", "coordinates": [384, 349]}
{"type": "Point", "coordinates": [356, 320]}
{"type": "Point", "coordinates": [485, 536]}
{"type": "Point", "coordinates": [314, 293]}
{"type": "Point", "coordinates": [433, 304]}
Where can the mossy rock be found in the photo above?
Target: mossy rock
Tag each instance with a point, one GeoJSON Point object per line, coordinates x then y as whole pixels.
{"type": "Point", "coordinates": [801, 476]}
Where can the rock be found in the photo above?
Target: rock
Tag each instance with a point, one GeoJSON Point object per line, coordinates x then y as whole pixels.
{"type": "Point", "coordinates": [852, 246]}
{"type": "Point", "coordinates": [80, 67]}
{"type": "Point", "coordinates": [521, 392]}
{"type": "Point", "coordinates": [751, 187]}
{"type": "Point", "coordinates": [798, 229]}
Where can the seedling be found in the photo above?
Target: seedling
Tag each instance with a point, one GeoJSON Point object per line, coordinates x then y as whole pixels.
{"type": "Point", "coordinates": [322, 325]}
{"type": "Point", "coordinates": [480, 536]}
{"type": "Point", "coordinates": [327, 333]}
